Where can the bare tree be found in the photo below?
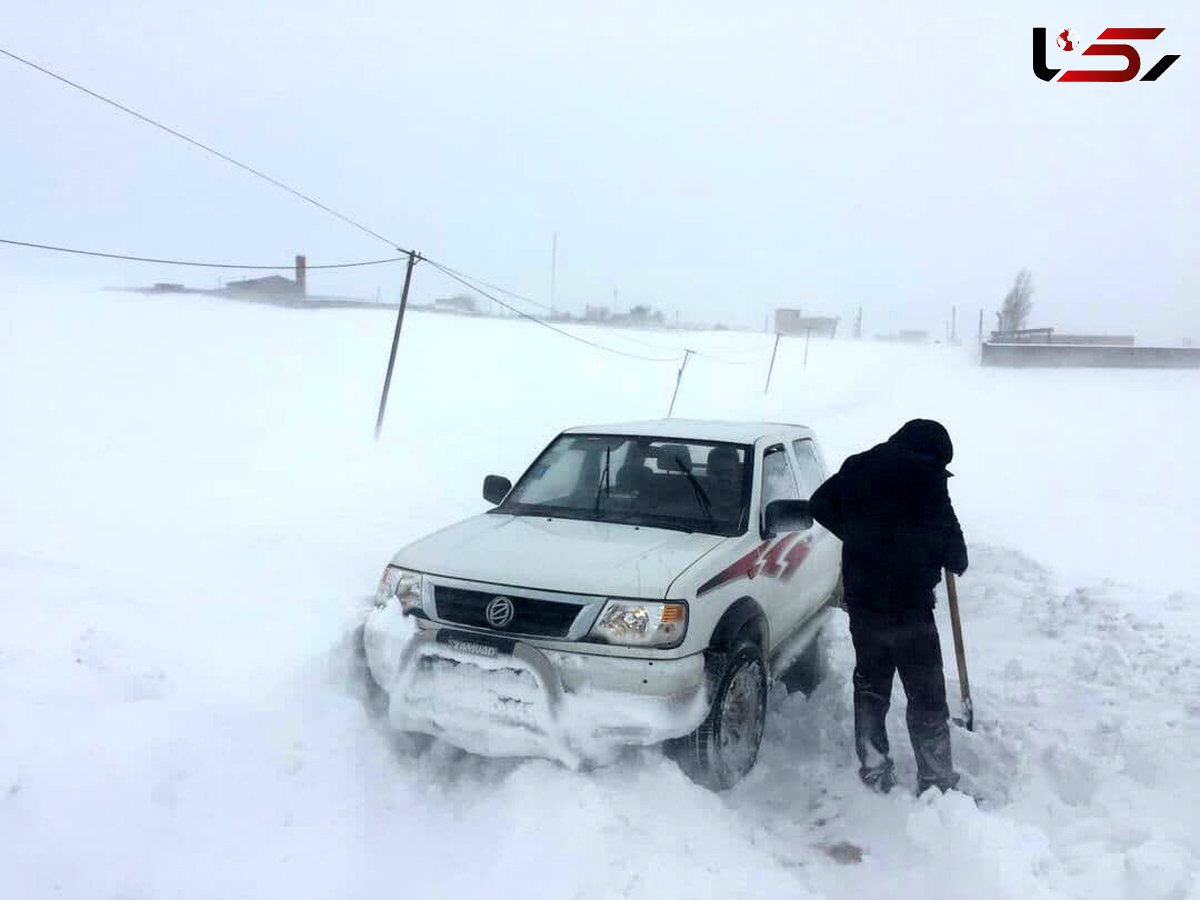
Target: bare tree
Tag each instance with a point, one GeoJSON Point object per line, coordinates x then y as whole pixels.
{"type": "Point", "coordinates": [1018, 303]}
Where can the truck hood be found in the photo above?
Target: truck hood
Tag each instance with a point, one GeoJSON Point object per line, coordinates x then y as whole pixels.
{"type": "Point", "coordinates": [600, 558]}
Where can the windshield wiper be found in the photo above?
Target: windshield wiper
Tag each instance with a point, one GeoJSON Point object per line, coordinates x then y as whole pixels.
{"type": "Point", "coordinates": [605, 484]}
{"type": "Point", "coordinates": [697, 489]}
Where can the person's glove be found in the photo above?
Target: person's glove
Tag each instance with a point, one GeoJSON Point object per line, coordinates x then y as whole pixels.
{"type": "Point", "coordinates": [957, 563]}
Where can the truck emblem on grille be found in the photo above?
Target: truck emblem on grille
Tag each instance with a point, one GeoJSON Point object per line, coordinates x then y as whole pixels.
{"type": "Point", "coordinates": [499, 613]}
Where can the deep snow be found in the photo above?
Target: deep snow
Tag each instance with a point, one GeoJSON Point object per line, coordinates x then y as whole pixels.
{"type": "Point", "coordinates": [194, 512]}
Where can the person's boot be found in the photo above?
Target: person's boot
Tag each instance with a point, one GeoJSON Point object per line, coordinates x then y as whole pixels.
{"type": "Point", "coordinates": [930, 734]}
{"type": "Point", "coordinates": [881, 778]}
{"type": "Point", "coordinates": [870, 739]}
{"type": "Point", "coordinates": [942, 784]}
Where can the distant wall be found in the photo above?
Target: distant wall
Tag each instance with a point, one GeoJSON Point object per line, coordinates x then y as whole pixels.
{"type": "Point", "coordinates": [1089, 356]}
{"type": "Point", "coordinates": [1113, 340]}
{"type": "Point", "coordinates": [1047, 336]}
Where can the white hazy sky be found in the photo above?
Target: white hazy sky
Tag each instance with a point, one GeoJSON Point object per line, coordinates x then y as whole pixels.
{"type": "Point", "coordinates": [716, 159]}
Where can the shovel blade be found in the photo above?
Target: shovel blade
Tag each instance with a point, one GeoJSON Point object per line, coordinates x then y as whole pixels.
{"type": "Point", "coordinates": [967, 719]}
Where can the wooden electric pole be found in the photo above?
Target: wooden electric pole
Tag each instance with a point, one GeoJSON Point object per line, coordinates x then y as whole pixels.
{"type": "Point", "coordinates": [687, 354]}
{"type": "Point", "coordinates": [771, 368]}
{"type": "Point", "coordinates": [413, 256]}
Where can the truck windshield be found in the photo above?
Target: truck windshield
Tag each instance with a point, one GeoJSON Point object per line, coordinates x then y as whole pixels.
{"type": "Point", "coordinates": [657, 482]}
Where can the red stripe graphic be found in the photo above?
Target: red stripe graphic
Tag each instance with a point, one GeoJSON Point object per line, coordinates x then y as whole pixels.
{"type": "Point", "coordinates": [766, 559]}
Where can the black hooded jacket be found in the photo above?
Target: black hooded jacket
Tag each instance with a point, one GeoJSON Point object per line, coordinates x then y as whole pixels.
{"type": "Point", "coordinates": [891, 509]}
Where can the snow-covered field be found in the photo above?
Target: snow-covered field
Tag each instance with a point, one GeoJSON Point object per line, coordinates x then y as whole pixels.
{"type": "Point", "coordinates": [192, 511]}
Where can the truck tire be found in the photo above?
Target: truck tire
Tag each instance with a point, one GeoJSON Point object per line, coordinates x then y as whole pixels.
{"type": "Point", "coordinates": [719, 753]}
{"type": "Point", "coordinates": [809, 669]}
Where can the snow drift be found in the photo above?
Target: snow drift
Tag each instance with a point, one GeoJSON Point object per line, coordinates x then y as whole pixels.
{"type": "Point", "coordinates": [194, 512]}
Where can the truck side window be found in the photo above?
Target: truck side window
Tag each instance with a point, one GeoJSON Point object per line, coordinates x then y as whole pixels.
{"type": "Point", "coordinates": [778, 480]}
{"type": "Point", "coordinates": [811, 472]}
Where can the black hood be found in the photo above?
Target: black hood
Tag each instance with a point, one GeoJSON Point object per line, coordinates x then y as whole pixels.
{"type": "Point", "coordinates": [926, 438]}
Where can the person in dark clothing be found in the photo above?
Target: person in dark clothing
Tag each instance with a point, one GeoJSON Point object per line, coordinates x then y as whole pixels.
{"type": "Point", "coordinates": [891, 508]}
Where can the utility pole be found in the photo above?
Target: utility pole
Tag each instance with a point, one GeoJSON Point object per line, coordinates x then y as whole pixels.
{"type": "Point", "coordinates": [858, 325]}
{"type": "Point", "coordinates": [954, 324]}
{"type": "Point", "coordinates": [807, 335]}
{"type": "Point", "coordinates": [413, 256]}
{"type": "Point", "coordinates": [771, 368]}
{"type": "Point", "coordinates": [687, 354]}
{"type": "Point", "coordinates": [981, 326]}
{"type": "Point", "coordinates": [616, 294]}
{"type": "Point", "coordinates": [553, 269]}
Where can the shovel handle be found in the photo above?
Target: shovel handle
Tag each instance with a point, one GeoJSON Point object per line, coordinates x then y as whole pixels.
{"type": "Point", "coordinates": [960, 653]}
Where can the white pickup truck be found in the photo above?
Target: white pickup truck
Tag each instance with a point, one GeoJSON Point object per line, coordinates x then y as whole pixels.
{"type": "Point", "coordinates": [641, 583]}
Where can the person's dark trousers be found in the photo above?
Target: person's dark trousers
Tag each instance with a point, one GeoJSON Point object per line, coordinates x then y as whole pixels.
{"type": "Point", "coordinates": [885, 643]}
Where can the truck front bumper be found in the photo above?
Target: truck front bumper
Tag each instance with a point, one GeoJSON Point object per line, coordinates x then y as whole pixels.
{"type": "Point", "coordinates": [505, 697]}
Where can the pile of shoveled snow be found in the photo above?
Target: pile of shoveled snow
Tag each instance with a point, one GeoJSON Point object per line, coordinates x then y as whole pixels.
{"type": "Point", "coordinates": [1085, 699]}
{"type": "Point", "coordinates": [189, 535]}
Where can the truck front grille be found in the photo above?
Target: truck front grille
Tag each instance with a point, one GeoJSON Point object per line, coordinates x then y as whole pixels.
{"type": "Point", "coordinates": [537, 618]}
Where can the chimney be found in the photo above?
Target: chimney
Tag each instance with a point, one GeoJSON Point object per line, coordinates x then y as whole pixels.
{"type": "Point", "coordinates": [301, 275]}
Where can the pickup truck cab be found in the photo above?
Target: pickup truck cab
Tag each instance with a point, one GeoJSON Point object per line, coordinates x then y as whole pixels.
{"type": "Point", "coordinates": [641, 583]}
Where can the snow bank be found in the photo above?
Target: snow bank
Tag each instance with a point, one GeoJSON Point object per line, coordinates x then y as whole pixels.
{"type": "Point", "coordinates": [194, 512]}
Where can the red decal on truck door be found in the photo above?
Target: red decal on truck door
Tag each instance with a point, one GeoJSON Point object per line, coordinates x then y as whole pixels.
{"type": "Point", "coordinates": [767, 559]}
{"type": "Point", "coordinates": [746, 567]}
{"type": "Point", "coordinates": [795, 558]}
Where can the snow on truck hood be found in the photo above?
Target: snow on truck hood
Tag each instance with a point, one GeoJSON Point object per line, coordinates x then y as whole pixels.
{"type": "Point", "coordinates": [600, 558]}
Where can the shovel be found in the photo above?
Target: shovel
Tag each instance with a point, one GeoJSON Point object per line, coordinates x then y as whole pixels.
{"type": "Point", "coordinates": [968, 717]}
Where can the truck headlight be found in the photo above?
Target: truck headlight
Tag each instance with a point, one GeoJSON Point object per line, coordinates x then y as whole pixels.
{"type": "Point", "coordinates": [405, 586]}
{"type": "Point", "coordinates": [637, 623]}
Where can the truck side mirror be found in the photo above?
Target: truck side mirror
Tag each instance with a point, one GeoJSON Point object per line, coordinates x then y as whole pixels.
{"type": "Point", "coordinates": [784, 516]}
{"type": "Point", "coordinates": [496, 488]}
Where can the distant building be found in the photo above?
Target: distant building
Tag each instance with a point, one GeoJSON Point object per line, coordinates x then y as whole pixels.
{"type": "Point", "coordinates": [793, 321]}
{"type": "Point", "coordinates": [906, 336]}
{"type": "Point", "coordinates": [461, 304]}
{"type": "Point", "coordinates": [274, 285]}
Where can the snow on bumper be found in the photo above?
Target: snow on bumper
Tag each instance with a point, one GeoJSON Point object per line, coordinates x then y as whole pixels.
{"type": "Point", "coordinates": [504, 697]}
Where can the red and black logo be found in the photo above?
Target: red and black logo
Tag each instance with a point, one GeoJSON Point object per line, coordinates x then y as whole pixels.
{"type": "Point", "coordinates": [1103, 46]}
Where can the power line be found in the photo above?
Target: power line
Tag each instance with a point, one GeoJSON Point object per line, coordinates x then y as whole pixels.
{"type": "Point", "coordinates": [199, 265]}
{"type": "Point", "coordinates": [473, 283]}
{"type": "Point", "coordinates": [205, 147]}
{"type": "Point", "coordinates": [709, 356]}
{"type": "Point", "coordinates": [544, 323]}
{"type": "Point", "coordinates": [451, 271]}
{"type": "Point", "coordinates": [725, 362]}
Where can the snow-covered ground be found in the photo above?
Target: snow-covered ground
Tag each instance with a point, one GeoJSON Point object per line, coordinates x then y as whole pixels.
{"type": "Point", "coordinates": [192, 511]}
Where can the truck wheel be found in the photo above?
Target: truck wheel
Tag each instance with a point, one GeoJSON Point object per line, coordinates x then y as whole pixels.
{"type": "Point", "coordinates": [725, 746]}
{"type": "Point", "coordinates": [809, 669]}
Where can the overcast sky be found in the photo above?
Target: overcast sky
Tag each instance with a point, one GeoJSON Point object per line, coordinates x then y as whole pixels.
{"type": "Point", "coordinates": [716, 159]}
